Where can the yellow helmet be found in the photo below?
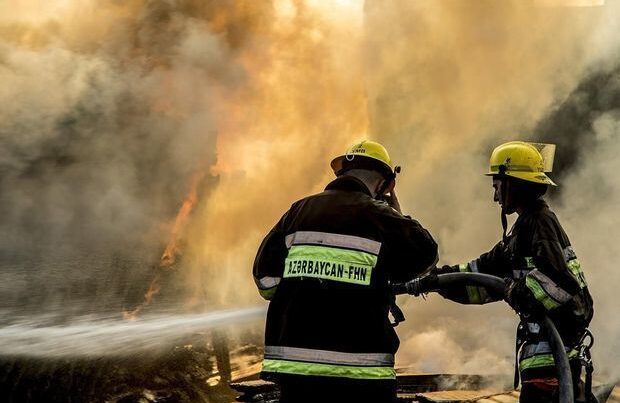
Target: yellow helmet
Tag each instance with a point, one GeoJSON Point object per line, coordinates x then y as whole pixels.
{"type": "Point", "coordinates": [366, 150]}
{"type": "Point", "coordinates": [523, 160]}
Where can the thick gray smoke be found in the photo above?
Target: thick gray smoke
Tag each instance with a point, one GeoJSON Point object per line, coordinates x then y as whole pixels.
{"type": "Point", "coordinates": [468, 76]}
{"type": "Point", "coordinates": [105, 116]}
{"type": "Point", "coordinates": [591, 196]}
{"type": "Point", "coordinates": [108, 109]}
{"type": "Point", "coordinates": [111, 109]}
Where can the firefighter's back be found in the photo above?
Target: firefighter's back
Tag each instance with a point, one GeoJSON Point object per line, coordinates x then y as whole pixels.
{"type": "Point", "coordinates": [328, 322]}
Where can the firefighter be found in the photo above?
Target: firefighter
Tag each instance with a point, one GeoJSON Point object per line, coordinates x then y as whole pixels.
{"type": "Point", "coordinates": [326, 267]}
{"type": "Point", "coordinates": [542, 272]}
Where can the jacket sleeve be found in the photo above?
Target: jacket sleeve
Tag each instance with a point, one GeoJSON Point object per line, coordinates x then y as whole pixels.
{"type": "Point", "coordinates": [550, 283]}
{"type": "Point", "coordinates": [411, 249]}
{"type": "Point", "coordinates": [493, 263]}
{"type": "Point", "coordinates": [269, 262]}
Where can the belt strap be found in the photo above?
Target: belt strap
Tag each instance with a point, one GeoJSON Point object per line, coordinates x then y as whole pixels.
{"type": "Point", "coordinates": [585, 357]}
{"type": "Point", "coordinates": [519, 341]}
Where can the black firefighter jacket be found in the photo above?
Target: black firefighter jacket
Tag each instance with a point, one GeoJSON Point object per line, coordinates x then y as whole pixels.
{"type": "Point", "coordinates": [326, 268]}
{"type": "Point", "coordinates": [538, 255]}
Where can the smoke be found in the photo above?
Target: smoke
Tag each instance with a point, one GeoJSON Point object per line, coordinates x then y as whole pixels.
{"type": "Point", "coordinates": [109, 109]}
{"type": "Point", "coordinates": [589, 202]}
{"type": "Point", "coordinates": [436, 351]}
{"type": "Point", "coordinates": [304, 104]}
{"type": "Point", "coordinates": [447, 82]}
{"type": "Point", "coordinates": [102, 125]}
{"type": "Point", "coordinates": [586, 126]}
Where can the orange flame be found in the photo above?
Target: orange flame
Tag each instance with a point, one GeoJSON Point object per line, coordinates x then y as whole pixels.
{"type": "Point", "coordinates": [168, 258]}
{"type": "Point", "coordinates": [172, 250]}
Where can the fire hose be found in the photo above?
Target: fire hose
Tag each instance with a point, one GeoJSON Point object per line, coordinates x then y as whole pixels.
{"type": "Point", "coordinates": [497, 284]}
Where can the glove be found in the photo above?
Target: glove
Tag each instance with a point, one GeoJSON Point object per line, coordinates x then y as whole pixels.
{"type": "Point", "coordinates": [518, 296]}
{"type": "Point", "coordinates": [510, 293]}
{"type": "Point", "coordinates": [423, 285]}
{"type": "Point", "coordinates": [446, 269]}
{"type": "Point", "coordinates": [392, 200]}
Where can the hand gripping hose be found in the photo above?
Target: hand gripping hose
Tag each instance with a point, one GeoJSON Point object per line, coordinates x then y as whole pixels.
{"type": "Point", "coordinates": [497, 284]}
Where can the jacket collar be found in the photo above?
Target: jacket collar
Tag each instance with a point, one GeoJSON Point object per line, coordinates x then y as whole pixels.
{"type": "Point", "coordinates": [349, 184]}
{"type": "Point", "coordinates": [532, 208]}
{"type": "Point", "coordinates": [535, 205]}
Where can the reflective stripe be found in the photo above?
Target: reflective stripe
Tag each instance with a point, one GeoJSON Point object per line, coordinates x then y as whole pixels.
{"type": "Point", "coordinates": [529, 262]}
{"type": "Point", "coordinates": [329, 357]}
{"type": "Point", "coordinates": [464, 268]}
{"type": "Point", "coordinates": [533, 327]}
{"type": "Point", "coordinates": [540, 294]}
{"type": "Point", "coordinates": [574, 266]}
{"type": "Point", "coordinates": [344, 265]}
{"type": "Point", "coordinates": [542, 359]}
{"type": "Point", "coordinates": [530, 350]}
{"type": "Point", "coordinates": [484, 296]}
{"type": "Point", "coordinates": [475, 295]}
{"type": "Point", "coordinates": [545, 290]}
{"type": "Point", "coordinates": [268, 294]}
{"type": "Point", "coordinates": [314, 369]}
{"type": "Point", "coordinates": [474, 266]}
{"type": "Point", "coordinates": [267, 282]}
{"type": "Point", "coordinates": [267, 286]}
{"type": "Point", "coordinates": [336, 240]}
{"type": "Point", "coordinates": [542, 347]}
{"type": "Point", "coordinates": [551, 288]}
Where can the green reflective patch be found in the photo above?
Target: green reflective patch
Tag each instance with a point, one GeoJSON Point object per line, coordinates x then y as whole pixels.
{"type": "Point", "coordinates": [344, 265]}
{"type": "Point", "coordinates": [575, 268]}
{"type": "Point", "coordinates": [473, 293]}
{"type": "Point", "coordinates": [542, 360]}
{"type": "Point", "coordinates": [540, 294]}
{"type": "Point", "coordinates": [316, 369]}
{"type": "Point", "coordinates": [464, 268]}
{"type": "Point", "coordinates": [529, 262]}
{"type": "Point", "coordinates": [268, 293]}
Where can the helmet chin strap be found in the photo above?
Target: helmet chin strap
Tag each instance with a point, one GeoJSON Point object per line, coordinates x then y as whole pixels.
{"type": "Point", "coordinates": [504, 199]}
{"type": "Point", "coordinates": [504, 226]}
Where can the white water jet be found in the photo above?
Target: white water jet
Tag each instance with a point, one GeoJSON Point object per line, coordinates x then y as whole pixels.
{"type": "Point", "coordinates": [109, 337]}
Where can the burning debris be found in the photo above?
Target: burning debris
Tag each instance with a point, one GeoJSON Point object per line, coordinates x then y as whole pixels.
{"type": "Point", "coordinates": [173, 249]}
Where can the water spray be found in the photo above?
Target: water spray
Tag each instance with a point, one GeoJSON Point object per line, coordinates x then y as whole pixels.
{"type": "Point", "coordinates": [94, 337]}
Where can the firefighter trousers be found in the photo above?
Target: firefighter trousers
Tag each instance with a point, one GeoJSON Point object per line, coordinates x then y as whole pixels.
{"type": "Point", "coordinates": [306, 389]}
{"type": "Point", "coordinates": [546, 390]}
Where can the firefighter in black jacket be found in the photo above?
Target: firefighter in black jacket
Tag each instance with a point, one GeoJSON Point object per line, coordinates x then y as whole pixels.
{"type": "Point", "coordinates": [542, 271]}
{"type": "Point", "coordinates": [326, 267]}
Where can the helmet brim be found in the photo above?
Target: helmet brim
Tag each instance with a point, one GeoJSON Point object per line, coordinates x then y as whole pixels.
{"type": "Point", "coordinates": [534, 177]}
{"type": "Point", "coordinates": [337, 164]}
